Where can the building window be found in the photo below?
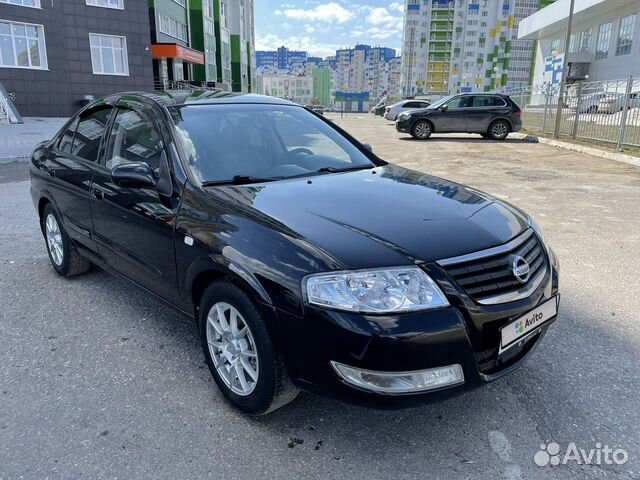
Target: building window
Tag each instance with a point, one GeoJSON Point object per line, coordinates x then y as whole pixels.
{"type": "Point", "coordinates": [109, 54]}
{"type": "Point", "coordinates": [625, 35]}
{"type": "Point", "coordinates": [604, 40]}
{"type": "Point", "coordinates": [22, 45]}
{"type": "Point", "coordinates": [555, 46]}
{"type": "Point", "coordinates": [585, 41]}
{"type": "Point", "coordinates": [23, 3]}
{"type": "Point", "coordinates": [173, 28]}
{"type": "Point", "coordinates": [572, 43]}
{"type": "Point", "coordinates": [119, 4]}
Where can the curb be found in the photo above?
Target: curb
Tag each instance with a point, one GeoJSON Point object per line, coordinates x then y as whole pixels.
{"type": "Point", "coordinates": [595, 152]}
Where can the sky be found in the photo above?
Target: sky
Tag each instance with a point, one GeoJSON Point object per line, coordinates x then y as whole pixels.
{"type": "Point", "coordinates": [320, 28]}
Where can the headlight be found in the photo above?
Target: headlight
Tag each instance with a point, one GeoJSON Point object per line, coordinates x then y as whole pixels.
{"type": "Point", "coordinates": [401, 289]}
{"type": "Point", "coordinates": [402, 116]}
{"type": "Point", "coordinates": [552, 256]}
{"type": "Point", "coordinates": [536, 228]}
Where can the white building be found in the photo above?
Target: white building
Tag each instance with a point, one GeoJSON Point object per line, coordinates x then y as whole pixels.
{"type": "Point", "coordinates": [605, 40]}
{"type": "Point", "coordinates": [298, 89]}
{"type": "Point", "coordinates": [464, 45]}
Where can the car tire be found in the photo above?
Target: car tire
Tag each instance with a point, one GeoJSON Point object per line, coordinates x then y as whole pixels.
{"type": "Point", "coordinates": [64, 257]}
{"type": "Point", "coordinates": [498, 130]}
{"type": "Point", "coordinates": [421, 130]}
{"type": "Point", "coordinates": [249, 351]}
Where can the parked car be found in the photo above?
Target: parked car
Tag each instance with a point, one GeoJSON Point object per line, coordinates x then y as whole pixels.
{"type": "Point", "coordinates": [319, 109]}
{"type": "Point", "coordinates": [378, 110]}
{"type": "Point", "coordinates": [392, 111]}
{"type": "Point", "coordinates": [306, 261]}
{"type": "Point", "coordinates": [614, 102]}
{"type": "Point", "coordinates": [491, 115]}
{"type": "Point", "coordinates": [588, 103]}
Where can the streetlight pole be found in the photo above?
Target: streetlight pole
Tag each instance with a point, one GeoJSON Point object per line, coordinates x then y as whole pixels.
{"type": "Point", "coordinates": [565, 65]}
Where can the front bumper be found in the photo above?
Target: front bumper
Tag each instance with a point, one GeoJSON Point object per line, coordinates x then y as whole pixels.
{"type": "Point", "coordinates": [465, 333]}
{"type": "Point", "coordinates": [403, 125]}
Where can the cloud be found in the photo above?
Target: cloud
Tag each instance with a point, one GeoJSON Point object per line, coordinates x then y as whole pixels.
{"type": "Point", "coordinates": [329, 13]}
{"type": "Point", "coordinates": [309, 29]}
{"type": "Point", "coordinates": [397, 7]}
{"type": "Point", "coordinates": [378, 16]}
{"type": "Point", "coordinates": [385, 24]}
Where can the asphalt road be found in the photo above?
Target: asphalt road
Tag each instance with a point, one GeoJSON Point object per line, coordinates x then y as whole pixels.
{"type": "Point", "coordinates": [99, 381]}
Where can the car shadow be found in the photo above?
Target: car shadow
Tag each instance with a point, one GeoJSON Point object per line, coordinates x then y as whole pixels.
{"type": "Point", "coordinates": [479, 139]}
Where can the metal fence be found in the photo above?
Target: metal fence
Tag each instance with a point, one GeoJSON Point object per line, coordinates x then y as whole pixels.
{"type": "Point", "coordinates": [607, 111]}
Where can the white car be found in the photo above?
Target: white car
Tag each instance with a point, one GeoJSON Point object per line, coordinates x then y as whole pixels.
{"type": "Point", "coordinates": [392, 111]}
{"type": "Point", "coordinates": [614, 102]}
{"type": "Point", "coordinates": [588, 103]}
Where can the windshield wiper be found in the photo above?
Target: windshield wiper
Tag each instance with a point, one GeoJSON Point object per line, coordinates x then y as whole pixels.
{"type": "Point", "coordinates": [239, 180]}
{"type": "Point", "coordinates": [346, 169]}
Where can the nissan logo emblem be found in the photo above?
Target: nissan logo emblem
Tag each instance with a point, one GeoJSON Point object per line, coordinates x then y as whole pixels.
{"type": "Point", "coordinates": [521, 269]}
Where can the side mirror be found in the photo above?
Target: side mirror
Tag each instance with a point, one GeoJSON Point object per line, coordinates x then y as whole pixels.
{"type": "Point", "coordinates": [368, 147]}
{"type": "Point", "coordinates": [133, 175]}
{"type": "Point", "coordinates": [444, 108]}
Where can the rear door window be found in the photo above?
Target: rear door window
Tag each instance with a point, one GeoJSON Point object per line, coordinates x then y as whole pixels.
{"type": "Point", "coordinates": [488, 101]}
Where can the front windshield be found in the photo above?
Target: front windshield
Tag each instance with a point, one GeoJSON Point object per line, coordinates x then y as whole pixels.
{"type": "Point", "coordinates": [261, 141]}
{"type": "Point", "coordinates": [439, 103]}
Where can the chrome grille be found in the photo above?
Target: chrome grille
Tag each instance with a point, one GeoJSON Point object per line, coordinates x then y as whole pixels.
{"type": "Point", "coordinates": [488, 276]}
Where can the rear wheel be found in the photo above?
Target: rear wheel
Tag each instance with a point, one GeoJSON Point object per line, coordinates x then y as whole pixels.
{"type": "Point", "coordinates": [239, 351]}
{"type": "Point", "coordinates": [421, 130]}
{"type": "Point", "coordinates": [498, 130]}
{"type": "Point", "coordinates": [64, 257]}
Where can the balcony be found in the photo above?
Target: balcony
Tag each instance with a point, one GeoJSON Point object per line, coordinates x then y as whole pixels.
{"type": "Point", "coordinates": [436, 47]}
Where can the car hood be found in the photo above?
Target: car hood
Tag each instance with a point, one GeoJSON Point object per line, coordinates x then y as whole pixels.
{"type": "Point", "coordinates": [384, 216]}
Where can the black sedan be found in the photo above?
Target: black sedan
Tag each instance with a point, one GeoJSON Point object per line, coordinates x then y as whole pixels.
{"type": "Point", "coordinates": [491, 115]}
{"type": "Point", "coordinates": [306, 261]}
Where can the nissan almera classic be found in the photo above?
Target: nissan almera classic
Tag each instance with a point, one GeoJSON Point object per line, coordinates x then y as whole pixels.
{"type": "Point", "coordinates": [306, 261]}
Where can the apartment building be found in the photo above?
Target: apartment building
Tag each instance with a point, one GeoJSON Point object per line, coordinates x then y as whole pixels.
{"type": "Point", "coordinates": [280, 59]}
{"type": "Point", "coordinates": [298, 89]}
{"type": "Point", "coordinates": [55, 56]}
{"type": "Point", "coordinates": [464, 45]}
{"type": "Point", "coordinates": [173, 57]}
{"type": "Point", "coordinates": [604, 44]}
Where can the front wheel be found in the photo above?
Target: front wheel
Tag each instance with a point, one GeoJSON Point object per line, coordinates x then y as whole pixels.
{"type": "Point", "coordinates": [240, 353]}
{"type": "Point", "coordinates": [421, 130]}
{"type": "Point", "coordinates": [498, 130]}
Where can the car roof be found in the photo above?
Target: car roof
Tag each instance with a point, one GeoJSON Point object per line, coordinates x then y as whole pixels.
{"type": "Point", "coordinates": [169, 98]}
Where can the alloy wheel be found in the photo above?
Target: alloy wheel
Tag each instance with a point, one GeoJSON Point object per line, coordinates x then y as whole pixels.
{"type": "Point", "coordinates": [422, 130]}
{"type": "Point", "coordinates": [499, 130]}
{"type": "Point", "coordinates": [232, 348]}
{"type": "Point", "coordinates": [54, 239]}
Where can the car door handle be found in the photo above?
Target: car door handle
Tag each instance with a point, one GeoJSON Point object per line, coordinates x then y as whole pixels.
{"type": "Point", "coordinates": [97, 193]}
